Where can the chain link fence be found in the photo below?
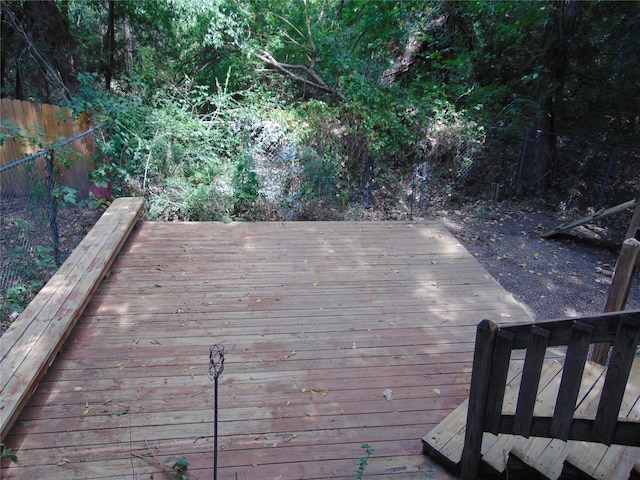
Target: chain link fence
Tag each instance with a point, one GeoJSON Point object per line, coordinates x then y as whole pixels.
{"type": "Point", "coordinates": [44, 214]}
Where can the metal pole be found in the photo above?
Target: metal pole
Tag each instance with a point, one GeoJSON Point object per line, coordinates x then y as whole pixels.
{"type": "Point", "coordinates": [216, 366]}
{"type": "Point", "coordinates": [50, 158]}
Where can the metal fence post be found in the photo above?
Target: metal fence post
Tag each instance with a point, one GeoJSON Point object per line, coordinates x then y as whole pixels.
{"type": "Point", "coordinates": [51, 200]}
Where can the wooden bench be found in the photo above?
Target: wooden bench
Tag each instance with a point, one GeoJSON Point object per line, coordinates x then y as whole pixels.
{"type": "Point", "coordinates": [32, 342]}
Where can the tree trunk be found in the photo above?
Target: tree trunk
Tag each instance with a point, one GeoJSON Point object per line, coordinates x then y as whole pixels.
{"type": "Point", "coordinates": [547, 93]}
{"type": "Point", "coordinates": [128, 47]}
{"type": "Point", "coordinates": [110, 44]}
{"type": "Point", "coordinates": [50, 31]}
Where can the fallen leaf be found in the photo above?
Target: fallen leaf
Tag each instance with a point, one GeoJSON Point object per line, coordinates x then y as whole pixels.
{"type": "Point", "coordinates": [63, 461]}
{"type": "Point", "coordinates": [436, 391]}
{"type": "Point", "coordinates": [124, 411]}
{"type": "Point", "coordinates": [86, 412]}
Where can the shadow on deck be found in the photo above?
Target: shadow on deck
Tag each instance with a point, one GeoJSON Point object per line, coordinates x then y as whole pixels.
{"type": "Point", "coordinates": [318, 320]}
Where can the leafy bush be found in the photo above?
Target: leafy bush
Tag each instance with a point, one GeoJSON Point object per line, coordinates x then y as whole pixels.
{"type": "Point", "coordinates": [452, 141]}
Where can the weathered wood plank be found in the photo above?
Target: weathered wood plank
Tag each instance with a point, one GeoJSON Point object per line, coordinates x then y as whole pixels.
{"type": "Point", "coordinates": [591, 218]}
{"type": "Point", "coordinates": [536, 350]}
{"type": "Point", "coordinates": [481, 374]}
{"type": "Point", "coordinates": [613, 391]}
{"type": "Point", "coordinates": [31, 343]}
{"type": "Point", "coordinates": [571, 382]}
{"type": "Point", "coordinates": [498, 379]}
{"type": "Point", "coordinates": [251, 287]}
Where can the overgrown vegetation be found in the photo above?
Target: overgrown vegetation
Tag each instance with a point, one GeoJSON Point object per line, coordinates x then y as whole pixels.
{"type": "Point", "coordinates": [304, 109]}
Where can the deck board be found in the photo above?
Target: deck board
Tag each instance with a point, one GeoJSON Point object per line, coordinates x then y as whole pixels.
{"type": "Point", "coordinates": [317, 320]}
{"type": "Point", "coordinates": [31, 343]}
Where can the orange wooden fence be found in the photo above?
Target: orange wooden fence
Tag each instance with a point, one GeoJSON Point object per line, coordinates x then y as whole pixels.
{"type": "Point", "coordinates": [44, 125]}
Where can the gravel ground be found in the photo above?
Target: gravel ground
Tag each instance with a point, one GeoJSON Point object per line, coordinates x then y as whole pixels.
{"type": "Point", "coordinates": [553, 277]}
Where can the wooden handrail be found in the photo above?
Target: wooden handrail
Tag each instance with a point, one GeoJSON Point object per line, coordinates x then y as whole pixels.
{"type": "Point", "coordinates": [493, 348]}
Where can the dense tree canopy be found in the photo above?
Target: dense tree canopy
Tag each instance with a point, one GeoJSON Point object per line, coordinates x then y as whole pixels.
{"type": "Point", "coordinates": [338, 99]}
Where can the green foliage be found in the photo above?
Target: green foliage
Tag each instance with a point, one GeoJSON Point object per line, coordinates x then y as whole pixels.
{"type": "Point", "coordinates": [67, 194]}
{"type": "Point", "coordinates": [31, 137]}
{"type": "Point", "coordinates": [7, 453]}
{"type": "Point", "coordinates": [363, 461]}
{"type": "Point", "coordinates": [452, 140]}
{"type": "Point", "coordinates": [246, 186]}
{"type": "Point", "coordinates": [189, 98]}
{"type": "Point", "coordinates": [322, 174]}
{"type": "Point", "coordinates": [177, 468]}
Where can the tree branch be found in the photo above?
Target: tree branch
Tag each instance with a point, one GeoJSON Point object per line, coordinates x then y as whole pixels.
{"type": "Point", "coordinates": [48, 69]}
{"type": "Point", "coordinates": [314, 80]}
{"type": "Point", "coordinates": [414, 47]}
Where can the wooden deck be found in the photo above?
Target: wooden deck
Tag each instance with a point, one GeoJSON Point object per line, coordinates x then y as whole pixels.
{"type": "Point", "coordinates": [317, 320]}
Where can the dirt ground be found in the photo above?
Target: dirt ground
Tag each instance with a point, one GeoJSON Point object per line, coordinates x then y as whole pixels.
{"type": "Point", "coordinates": [555, 277]}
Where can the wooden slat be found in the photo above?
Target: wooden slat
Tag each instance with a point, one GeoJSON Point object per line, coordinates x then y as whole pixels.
{"type": "Point", "coordinates": [585, 457]}
{"type": "Point", "coordinates": [496, 456]}
{"type": "Point", "coordinates": [498, 380]}
{"type": "Point", "coordinates": [445, 442]}
{"type": "Point", "coordinates": [481, 374]}
{"type": "Point", "coordinates": [615, 383]}
{"type": "Point", "coordinates": [536, 350]}
{"type": "Point", "coordinates": [31, 343]}
{"type": "Point", "coordinates": [604, 325]}
{"type": "Point", "coordinates": [570, 385]}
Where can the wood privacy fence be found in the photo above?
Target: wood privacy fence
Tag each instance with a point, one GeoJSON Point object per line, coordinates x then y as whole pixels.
{"type": "Point", "coordinates": [40, 126]}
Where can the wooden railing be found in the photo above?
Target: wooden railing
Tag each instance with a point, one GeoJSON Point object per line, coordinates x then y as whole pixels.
{"type": "Point", "coordinates": [491, 361]}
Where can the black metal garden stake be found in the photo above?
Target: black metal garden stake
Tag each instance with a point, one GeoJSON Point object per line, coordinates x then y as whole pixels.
{"type": "Point", "coordinates": [216, 366]}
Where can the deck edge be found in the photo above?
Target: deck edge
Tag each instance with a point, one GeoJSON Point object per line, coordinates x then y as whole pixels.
{"type": "Point", "coordinates": [119, 220]}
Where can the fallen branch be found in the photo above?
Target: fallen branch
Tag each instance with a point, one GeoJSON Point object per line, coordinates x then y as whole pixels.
{"type": "Point", "coordinates": [314, 80]}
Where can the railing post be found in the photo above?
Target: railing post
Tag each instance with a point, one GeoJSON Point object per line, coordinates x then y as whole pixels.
{"type": "Point", "coordinates": [619, 290]}
{"type": "Point", "coordinates": [483, 353]}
